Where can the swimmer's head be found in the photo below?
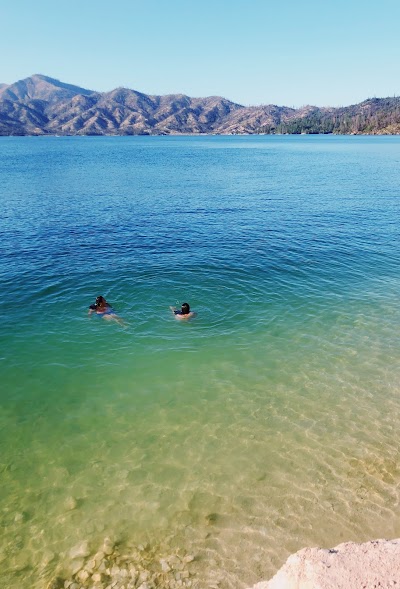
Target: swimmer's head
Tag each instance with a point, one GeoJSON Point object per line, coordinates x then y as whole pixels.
{"type": "Point", "coordinates": [100, 301]}
{"type": "Point", "coordinates": [185, 309]}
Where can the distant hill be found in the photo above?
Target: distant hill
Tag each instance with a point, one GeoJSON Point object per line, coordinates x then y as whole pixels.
{"type": "Point", "coordinates": [40, 105]}
{"type": "Point", "coordinates": [375, 116]}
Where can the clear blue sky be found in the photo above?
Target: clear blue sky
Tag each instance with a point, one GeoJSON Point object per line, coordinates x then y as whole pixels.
{"type": "Point", "coordinates": [325, 52]}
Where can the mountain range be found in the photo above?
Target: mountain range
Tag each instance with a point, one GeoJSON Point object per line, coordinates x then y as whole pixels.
{"type": "Point", "coordinates": [40, 105]}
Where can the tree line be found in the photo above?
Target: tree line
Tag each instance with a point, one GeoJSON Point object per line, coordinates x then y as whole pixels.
{"type": "Point", "coordinates": [373, 116]}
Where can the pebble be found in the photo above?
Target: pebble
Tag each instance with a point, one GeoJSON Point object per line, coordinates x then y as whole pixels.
{"type": "Point", "coordinates": [133, 573]}
{"type": "Point", "coordinates": [164, 566]}
{"type": "Point", "coordinates": [144, 576]}
{"type": "Point", "coordinates": [188, 558]}
{"type": "Point", "coordinates": [90, 565]}
{"type": "Point", "coordinates": [76, 565]}
{"type": "Point", "coordinates": [98, 558]}
{"type": "Point", "coordinates": [143, 567]}
{"type": "Point", "coordinates": [108, 546]}
{"type": "Point", "coordinates": [70, 503]}
{"type": "Point", "coordinates": [83, 575]}
{"type": "Point", "coordinates": [19, 518]}
{"type": "Point", "coordinates": [174, 562]}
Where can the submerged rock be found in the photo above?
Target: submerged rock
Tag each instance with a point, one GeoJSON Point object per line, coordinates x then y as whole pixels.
{"type": "Point", "coordinates": [70, 503]}
{"type": "Point", "coordinates": [81, 550]}
{"type": "Point", "coordinates": [20, 517]}
{"type": "Point", "coordinates": [141, 567]}
{"type": "Point", "coordinates": [108, 546]}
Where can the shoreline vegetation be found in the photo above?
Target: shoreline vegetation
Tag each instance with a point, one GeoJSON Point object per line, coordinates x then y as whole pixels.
{"type": "Point", "coordinates": [40, 105]}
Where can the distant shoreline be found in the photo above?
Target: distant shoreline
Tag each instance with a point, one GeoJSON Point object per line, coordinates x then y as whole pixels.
{"type": "Point", "coordinates": [41, 135]}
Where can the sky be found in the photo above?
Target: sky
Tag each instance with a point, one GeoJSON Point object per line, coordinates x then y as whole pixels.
{"type": "Point", "coordinates": [253, 52]}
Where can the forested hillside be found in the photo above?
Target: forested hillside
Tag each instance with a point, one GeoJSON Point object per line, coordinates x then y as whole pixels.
{"type": "Point", "coordinates": [377, 116]}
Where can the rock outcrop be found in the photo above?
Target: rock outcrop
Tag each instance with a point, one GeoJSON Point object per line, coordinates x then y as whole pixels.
{"type": "Point", "coordinates": [371, 565]}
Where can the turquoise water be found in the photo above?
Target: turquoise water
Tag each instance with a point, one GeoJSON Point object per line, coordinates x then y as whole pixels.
{"type": "Point", "coordinates": [268, 423]}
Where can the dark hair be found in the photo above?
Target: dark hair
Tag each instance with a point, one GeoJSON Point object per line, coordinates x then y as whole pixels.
{"type": "Point", "coordinates": [185, 309]}
{"type": "Point", "coordinates": [100, 300]}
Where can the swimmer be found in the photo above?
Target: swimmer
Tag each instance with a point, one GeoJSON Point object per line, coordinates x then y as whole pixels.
{"type": "Point", "coordinates": [105, 310]}
{"type": "Point", "coordinates": [184, 312]}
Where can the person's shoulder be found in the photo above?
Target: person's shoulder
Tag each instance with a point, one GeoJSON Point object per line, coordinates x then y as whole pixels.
{"type": "Point", "coordinates": [190, 315]}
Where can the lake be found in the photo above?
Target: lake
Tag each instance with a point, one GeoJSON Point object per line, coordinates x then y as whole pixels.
{"type": "Point", "coordinates": [266, 424]}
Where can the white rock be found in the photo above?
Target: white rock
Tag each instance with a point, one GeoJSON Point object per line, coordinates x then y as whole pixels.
{"type": "Point", "coordinates": [164, 566]}
{"type": "Point", "coordinates": [83, 575]}
{"type": "Point", "coordinates": [98, 558]}
{"type": "Point", "coordinates": [108, 546]}
{"type": "Point", "coordinates": [19, 518]}
{"type": "Point", "coordinates": [144, 576]}
{"type": "Point", "coordinates": [76, 565]}
{"type": "Point", "coordinates": [70, 503]}
{"type": "Point", "coordinates": [347, 566]}
{"type": "Point", "coordinates": [90, 565]}
{"type": "Point", "coordinates": [81, 550]}
{"type": "Point", "coordinates": [188, 558]}
{"type": "Point", "coordinates": [133, 573]}
{"type": "Point", "coordinates": [114, 572]}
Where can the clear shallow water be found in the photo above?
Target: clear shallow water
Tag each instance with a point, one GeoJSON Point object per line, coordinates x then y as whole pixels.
{"type": "Point", "coordinates": [267, 424]}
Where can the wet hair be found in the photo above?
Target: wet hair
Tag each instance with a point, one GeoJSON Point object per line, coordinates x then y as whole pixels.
{"type": "Point", "coordinates": [185, 309]}
{"type": "Point", "coordinates": [100, 300]}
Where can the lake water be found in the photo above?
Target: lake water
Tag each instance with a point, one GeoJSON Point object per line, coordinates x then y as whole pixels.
{"type": "Point", "coordinates": [266, 424]}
